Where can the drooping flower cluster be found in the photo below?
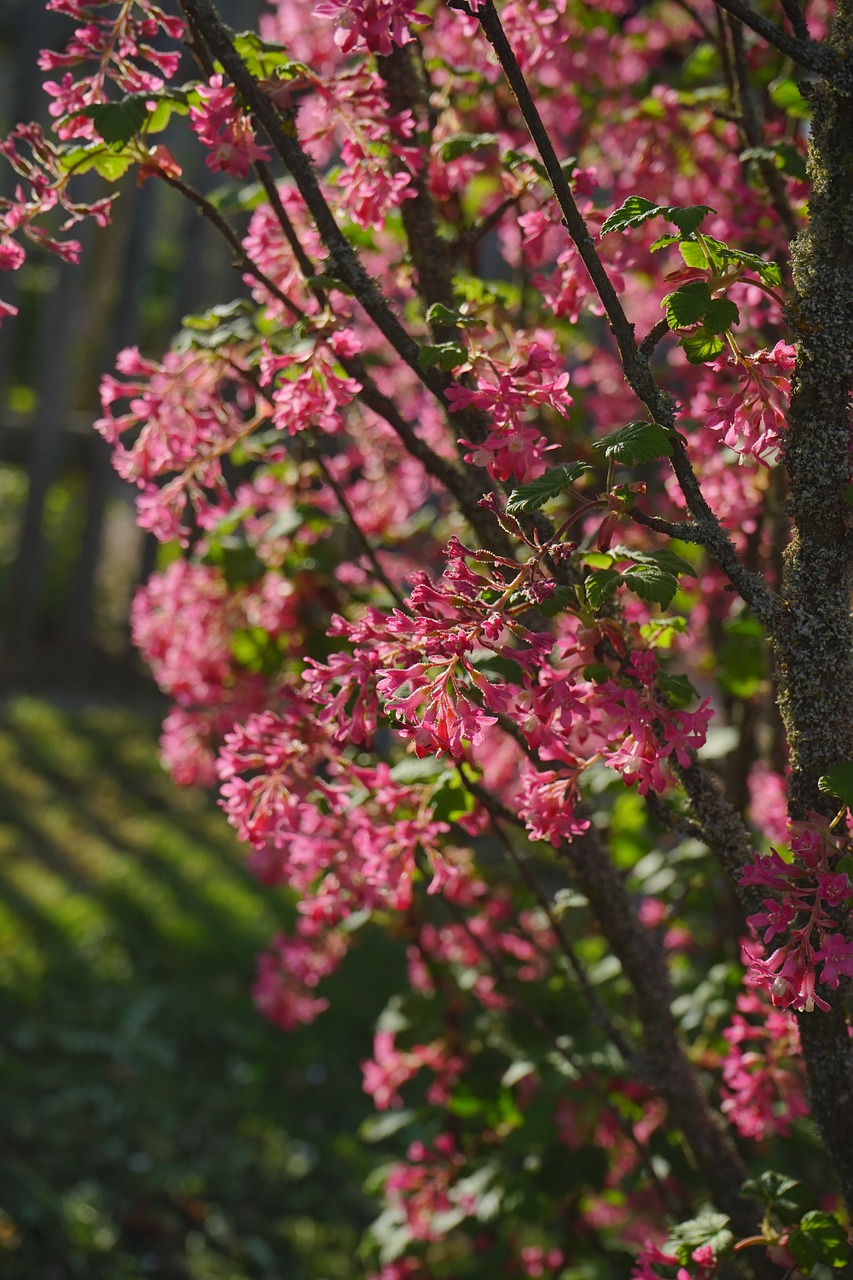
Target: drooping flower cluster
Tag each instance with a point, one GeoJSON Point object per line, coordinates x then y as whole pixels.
{"type": "Point", "coordinates": [809, 892]}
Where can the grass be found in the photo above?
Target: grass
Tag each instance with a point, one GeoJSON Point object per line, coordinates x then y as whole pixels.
{"type": "Point", "coordinates": [151, 1123]}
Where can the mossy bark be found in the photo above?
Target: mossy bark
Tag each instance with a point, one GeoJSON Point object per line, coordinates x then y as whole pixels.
{"type": "Point", "coordinates": [815, 638]}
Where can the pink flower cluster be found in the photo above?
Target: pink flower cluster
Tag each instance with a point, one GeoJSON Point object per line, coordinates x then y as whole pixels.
{"type": "Point", "coordinates": [376, 25]}
{"type": "Point", "coordinates": [508, 394]}
{"type": "Point", "coordinates": [752, 421]}
{"type": "Point", "coordinates": [649, 731]}
{"type": "Point", "coordinates": [114, 37]}
{"type": "Point", "coordinates": [182, 415]}
{"type": "Point", "coordinates": [225, 129]}
{"type": "Point", "coordinates": [43, 191]}
{"type": "Point", "coordinates": [390, 1068]}
{"type": "Point", "coordinates": [763, 1076]}
{"type": "Point", "coordinates": [808, 893]}
{"type": "Point", "coordinates": [309, 388]}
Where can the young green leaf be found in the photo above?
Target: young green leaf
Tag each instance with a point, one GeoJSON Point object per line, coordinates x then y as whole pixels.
{"type": "Point", "coordinates": [530, 497]}
{"type": "Point", "coordinates": [637, 442]}
{"type": "Point", "coordinates": [701, 346]}
{"type": "Point", "coordinates": [820, 1238]}
{"type": "Point", "coordinates": [720, 315]}
{"type": "Point", "coordinates": [687, 306]}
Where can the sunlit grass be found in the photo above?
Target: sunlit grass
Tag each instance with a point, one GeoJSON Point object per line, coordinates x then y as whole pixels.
{"type": "Point", "coordinates": [153, 1123]}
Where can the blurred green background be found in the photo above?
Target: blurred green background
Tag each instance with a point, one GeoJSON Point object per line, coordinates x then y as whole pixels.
{"type": "Point", "coordinates": [151, 1123]}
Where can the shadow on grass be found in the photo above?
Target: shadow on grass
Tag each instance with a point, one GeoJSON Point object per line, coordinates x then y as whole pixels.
{"type": "Point", "coordinates": [152, 1123]}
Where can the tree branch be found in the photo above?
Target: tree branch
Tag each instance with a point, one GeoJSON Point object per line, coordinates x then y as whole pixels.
{"type": "Point", "coordinates": [635, 363]}
{"type": "Point", "coordinates": [806, 53]}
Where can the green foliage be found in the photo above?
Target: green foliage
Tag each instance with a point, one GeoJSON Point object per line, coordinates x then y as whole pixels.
{"type": "Point", "coordinates": [819, 1239]}
{"type": "Point", "coordinates": [636, 442]}
{"type": "Point", "coordinates": [634, 211]}
{"type": "Point", "coordinates": [556, 480]}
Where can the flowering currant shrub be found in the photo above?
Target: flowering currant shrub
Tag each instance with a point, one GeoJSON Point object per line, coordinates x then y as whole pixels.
{"type": "Point", "coordinates": [506, 593]}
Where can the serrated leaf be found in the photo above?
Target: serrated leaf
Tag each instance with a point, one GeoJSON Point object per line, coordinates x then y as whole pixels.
{"type": "Point", "coordinates": [636, 210]}
{"type": "Point", "coordinates": [636, 442]}
{"type": "Point", "coordinates": [820, 1238]}
{"type": "Point", "coordinates": [689, 218]}
{"type": "Point", "coordinates": [776, 1190]}
{"type": "Point", "coordinates": [633, 212]}
{"type": "Point", "coordinates": [838, 781]}
{"type": "Point", "coordinates": [687, 305]}
{"type": "Point", "coordinates": [665, 559]}
{"type": "Point", "coordinates": [702, 346]}
{"type": "Point", "coordinates": [530, 497]}
{"type": "Point", "coordinates": [720, 315]}
{"type": "Point", "coordinates": [651, 583]}
{"type": "Point", "coordinates": [118, 122]}
{"type": "Point", "coordinates": [464, 144]}
{"type": "Point", "coordinates": [601, 585]}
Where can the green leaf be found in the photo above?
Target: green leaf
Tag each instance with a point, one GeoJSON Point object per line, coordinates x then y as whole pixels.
{"type": "Point", "coordinates": [678, 688]}
{"type": "Point", "coordinates": [266, 61]}
{"type": "Point", "coordinates": [97, 156]}
{"type": "Point", "coordinates": [633, 212]}
{"type": "Point", "coordinates": [776, 1190]}
{"type": "Point", "coordinates": [785, 93]}
{"type": "Point", "coordinates": [463, 144]}
{"type": "Point", "coordinates": [702, 346]}
{"type": "Point", "coordinates": [687, 305]}
{"type": "Point", "coordinates": [651, 583]}
{"type": "Point", "coordinates": [665, 559]}
{"type": "Point", "coordinates": [697, 253]}
{"type": "Point", "coordinates": [720, 315]}
{"type": "Point", "coordinates": [820, 1238]}
{"type": "Point", "coordinates": [450, 799]}
{"type": "Point", "coordinates": [440, 314]}
{"type": "Point", "coordinates": [637, 442]}
{"type": "Point", "coordinates": [636, 210]}
{"type": "Point", "coordinates": [597, 672]}
{"type": "Point", "coordinates": [444, 355]}
{"type": "Point", "coordinates": [601, 585]}
{"type": "Point", "coordinates": [708, 1227]}
{"type": "Point", "coordinates": [118, 122]}
{"type": "Point", "coordinates": [838, 781]}
{"type": "Point", "coordinates": [553, 482]}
